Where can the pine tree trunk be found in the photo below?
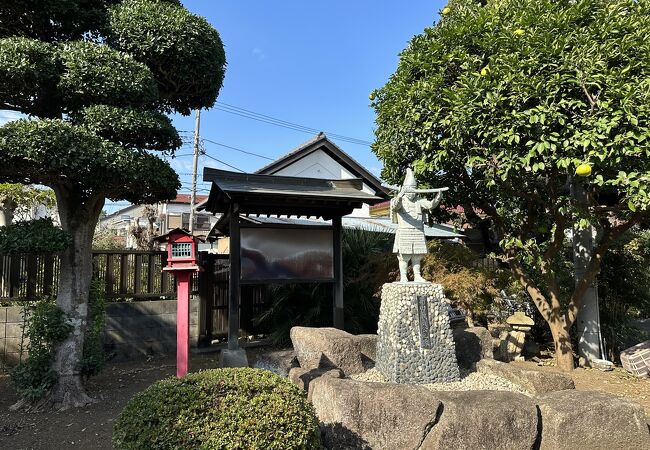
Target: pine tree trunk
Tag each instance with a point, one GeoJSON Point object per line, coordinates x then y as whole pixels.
{"type": "Point", "coordinates": [563, 347]}
{"type": "Point", "coordinates": [79, 219]}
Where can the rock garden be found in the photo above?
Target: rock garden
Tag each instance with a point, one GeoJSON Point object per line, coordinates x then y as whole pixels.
{"type": "Point", "coordinates": [495, 405]}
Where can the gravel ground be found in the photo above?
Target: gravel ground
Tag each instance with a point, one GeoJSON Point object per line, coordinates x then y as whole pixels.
{"type": "Point", "coordinates": [470, 381]}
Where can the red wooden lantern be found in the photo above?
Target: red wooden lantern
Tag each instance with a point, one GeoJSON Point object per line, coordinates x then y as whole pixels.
{"type": "Point", "coordinates": [182, 261]}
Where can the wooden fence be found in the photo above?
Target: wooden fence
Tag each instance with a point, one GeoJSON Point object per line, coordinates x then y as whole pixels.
{"type": "Point", "coordinates": [128, 274]}
{"type": "Point", "coordinates": [213, 291]}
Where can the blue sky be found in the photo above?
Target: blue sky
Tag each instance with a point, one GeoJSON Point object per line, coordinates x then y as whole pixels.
{"type": "Point", "coordinates": [305, 62]}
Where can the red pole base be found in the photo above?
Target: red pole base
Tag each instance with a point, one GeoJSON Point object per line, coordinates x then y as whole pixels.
{"type": "Point", "coordinates": [183, 322]}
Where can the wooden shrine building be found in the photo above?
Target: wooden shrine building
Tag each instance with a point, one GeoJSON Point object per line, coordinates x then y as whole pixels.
{"type": "Point", "coordinates": [278, 253]}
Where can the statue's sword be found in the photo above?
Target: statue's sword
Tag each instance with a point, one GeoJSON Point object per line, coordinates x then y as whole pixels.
{"type": "Point", "coordinates": [415, 191]}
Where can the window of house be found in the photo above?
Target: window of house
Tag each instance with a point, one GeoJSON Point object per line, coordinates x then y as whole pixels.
{"type": "Point", "coordinates": [173, 221]}
{"type": "Point", "coordinates": [202, 222]}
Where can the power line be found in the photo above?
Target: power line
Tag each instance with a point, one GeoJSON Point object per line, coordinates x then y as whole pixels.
{"type": "Point", "coordinates": [238, 149]}
{"type": "Point", "coordinates": [225, 107]}
{"type": "Point", "coordinates": [224, 163]}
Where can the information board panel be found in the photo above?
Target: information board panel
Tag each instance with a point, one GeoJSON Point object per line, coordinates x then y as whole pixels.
{"type": "Point", "coordinates": [287, 254]}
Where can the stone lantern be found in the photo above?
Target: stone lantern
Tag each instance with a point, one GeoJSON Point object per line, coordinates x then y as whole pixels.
{"type": "Point", "coordinates": [513, 344]}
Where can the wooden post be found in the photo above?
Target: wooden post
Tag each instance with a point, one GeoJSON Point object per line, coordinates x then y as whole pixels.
{"type": "Point", "coordinates": [183, 278]}
{"type": "Point", "coordinates": [234, 289]}
{"type": "Point", "coordinates": [110, 273]}
{"type": "Point", "coordinates": [124, 273]}
{"type": "Point", "coordinates": [339, 319]}
{"type": "Point", "coordinates": [137, 275]}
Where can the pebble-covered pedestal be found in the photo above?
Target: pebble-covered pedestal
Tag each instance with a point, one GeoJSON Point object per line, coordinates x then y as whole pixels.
{"type": "Point", "coordinates": [415, 343]}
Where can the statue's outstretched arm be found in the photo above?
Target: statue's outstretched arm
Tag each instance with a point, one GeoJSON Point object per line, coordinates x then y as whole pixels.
{"type": "Point", "coordinates": [430, 204]}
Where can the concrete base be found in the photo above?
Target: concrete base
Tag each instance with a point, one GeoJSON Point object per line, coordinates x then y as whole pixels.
{"type": "Point", "coordinates": [233, 358]}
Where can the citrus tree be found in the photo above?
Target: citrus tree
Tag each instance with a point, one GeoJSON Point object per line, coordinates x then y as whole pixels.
{"type": "Point", "coordinates": [96, 80]}
{"type": "Point", "coordinates": [504, 101]}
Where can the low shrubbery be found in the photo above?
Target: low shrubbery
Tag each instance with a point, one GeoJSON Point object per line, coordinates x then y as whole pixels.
{"type": "Point", "coordinates": [94, 358]}
{"type": "Point", "coordinates": [45, 328]}
{"type": "Point", "coordinates": [219, 409]}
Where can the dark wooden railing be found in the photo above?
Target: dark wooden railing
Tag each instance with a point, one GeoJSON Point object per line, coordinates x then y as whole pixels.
{"type": "Point", "coordinates": [127, 274]}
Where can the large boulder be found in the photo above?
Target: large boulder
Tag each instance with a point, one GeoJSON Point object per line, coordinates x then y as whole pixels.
{"type": "Point", "coordinates": [320, 348]}
{"type": "Point", "coordinates": [472, 345]}
{"type": "Point", "coordinates": [484, 420]}
{"type": "Point", "coordinates": [364, 415]}
{"type": "Point", "coordinates": [534, 381]}
{"type": "Point", "coordinates": [368, 346]}
{"type": "Point", "coordinates": [303, 377]}
{"type": "Point", "coordinates": [593, 420]}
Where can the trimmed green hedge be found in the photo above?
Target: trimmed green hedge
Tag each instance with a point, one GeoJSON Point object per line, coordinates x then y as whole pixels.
{"type": "Point", "coordinates": [219, 409]}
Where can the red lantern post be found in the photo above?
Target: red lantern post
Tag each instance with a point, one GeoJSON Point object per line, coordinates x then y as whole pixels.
{"type": "Point", "coordinates": [182, 261]}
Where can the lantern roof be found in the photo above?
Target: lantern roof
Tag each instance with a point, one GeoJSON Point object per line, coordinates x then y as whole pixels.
{"type": "Point", "coordinates": [166, 237]}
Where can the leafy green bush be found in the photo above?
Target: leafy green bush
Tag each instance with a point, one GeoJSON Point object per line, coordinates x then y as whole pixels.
{"type": "Point", "coordinates": [33, 236]}
{"type": "Point", "coordinates": [45, 326]}
{"type": "Point", "coordinates": [93, 358]}
{"type": "Point", "coordinates": [219, 409]}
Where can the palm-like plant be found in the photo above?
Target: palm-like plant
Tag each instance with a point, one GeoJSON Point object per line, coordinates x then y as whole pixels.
{"type": "Point", "coordinates": [367, 264]}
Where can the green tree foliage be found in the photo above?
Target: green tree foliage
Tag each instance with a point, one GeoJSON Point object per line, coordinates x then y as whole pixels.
{"type": "Point", "coordinates": [19, 198]}
{"type": "Point", "coordinates": [96, 79]}
{"type": "Point", "coordinates": [36, 237]}
{"type": "Point", "coordinates": [501, 100]}
{"type": "Point", "coordinates": [471, 287]}
{"type": "Point", "coordinates": [222, 409]}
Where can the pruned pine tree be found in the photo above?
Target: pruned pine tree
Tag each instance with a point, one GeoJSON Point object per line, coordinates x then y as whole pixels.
{"type": "Point", "coordinates": [96, 79]}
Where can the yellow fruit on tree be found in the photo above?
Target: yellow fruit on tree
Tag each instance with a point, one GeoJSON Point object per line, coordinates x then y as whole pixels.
{"type": "Point", "coordinates": [583, 170]}
{"type": "Point", "coordinates": [445, 10]}
{"type": "Point", "coordinates": [519, 32]}
{"type": "Point", "coordinates": [485, 70]}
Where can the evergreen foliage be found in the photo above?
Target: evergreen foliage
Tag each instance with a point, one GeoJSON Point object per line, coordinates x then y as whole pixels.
{"type": "Point", "coordinates": [502, 101]}
{"type": "Point", "coordinates": [35, 237]}
{"type": "Point", "coordinates": [96, 78]}
{"type": "Point", "coordinates": [219, 409]}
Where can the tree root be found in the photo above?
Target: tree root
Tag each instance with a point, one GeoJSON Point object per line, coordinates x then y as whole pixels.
{"type": "Point", "coordinates": [66, 394]}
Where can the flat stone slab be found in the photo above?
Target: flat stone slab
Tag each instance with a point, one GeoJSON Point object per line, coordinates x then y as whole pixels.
{"type": "Point", "coordinates": [534, 381]}
{"type": "Point", "coordinates": [591, 420]}
{"type": "Point", "coordinates": [494, 420]}
{"type": "Point", "coordinates": [365, 415]}
{"type": "Point", "coordinates": [415, 343]}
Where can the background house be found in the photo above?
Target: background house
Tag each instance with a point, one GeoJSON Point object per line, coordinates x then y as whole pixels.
{"type": "Point", "coordinates": [168, 215]}
{"type": "Point", "coordinates": [321, 158]}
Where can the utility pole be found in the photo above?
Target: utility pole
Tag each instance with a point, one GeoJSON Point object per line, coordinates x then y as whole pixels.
{"type": "Point", "coordinates": [588, 319]}
{"type": "Point", "coordinates": [195, 168]}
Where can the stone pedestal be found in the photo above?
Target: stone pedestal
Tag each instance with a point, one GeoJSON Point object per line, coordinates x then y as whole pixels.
{"type": "Point", "coordinates": [415, 343]}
